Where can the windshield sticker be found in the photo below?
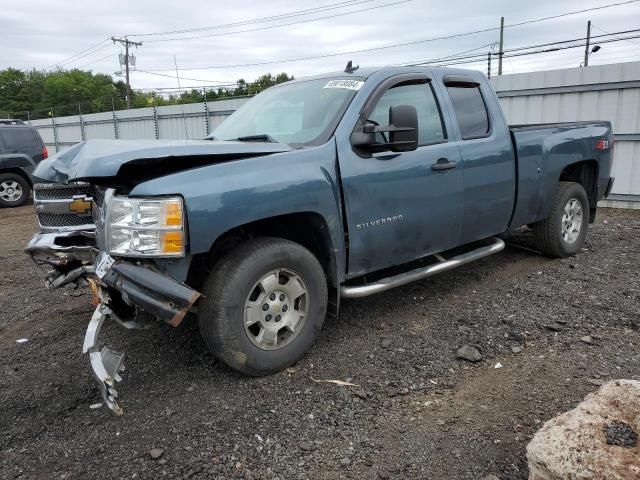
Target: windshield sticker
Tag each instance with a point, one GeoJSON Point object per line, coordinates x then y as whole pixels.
{"type": "Point", "coordinates": [348, 84]}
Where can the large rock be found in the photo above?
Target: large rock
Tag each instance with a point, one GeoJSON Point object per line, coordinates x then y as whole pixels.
{"type": "Point", "coordinates": [598, 440]}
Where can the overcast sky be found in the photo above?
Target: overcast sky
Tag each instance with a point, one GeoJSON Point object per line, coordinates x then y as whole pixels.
{"type": "Point", "coordinates": [42, 33]}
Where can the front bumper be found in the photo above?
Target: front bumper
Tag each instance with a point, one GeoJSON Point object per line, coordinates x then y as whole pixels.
{"type": "Point", "coordinates": [127, 292]}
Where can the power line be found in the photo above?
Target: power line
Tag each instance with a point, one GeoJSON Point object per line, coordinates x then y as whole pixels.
{"type": "Point", "coordinates": [281, 25]}
{"type": "Point", "coordinates": [395, 45]}
{"type": "Point", "coordinates": [609, 33]}
{"type": "Point", "coordinates": [73, 56]}
{"type": "Point", "coordinates": [96, 61]}
{"type": "Point", "coordinates": [297, 13]}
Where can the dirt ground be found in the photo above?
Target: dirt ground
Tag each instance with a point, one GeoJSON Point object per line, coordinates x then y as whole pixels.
{"type": "Point", "coordinates": [418, 412]}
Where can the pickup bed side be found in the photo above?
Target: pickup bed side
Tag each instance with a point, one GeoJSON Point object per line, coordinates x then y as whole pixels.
{"type": "Point", "coordinates": [549, 153]}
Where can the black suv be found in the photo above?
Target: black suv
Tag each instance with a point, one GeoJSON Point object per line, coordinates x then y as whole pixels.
{"type": "Point", "coordinates": [21, 148]}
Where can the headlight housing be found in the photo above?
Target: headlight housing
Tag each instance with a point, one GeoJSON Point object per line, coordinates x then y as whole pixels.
{"type": "Point", "coordinates": [145, 227]}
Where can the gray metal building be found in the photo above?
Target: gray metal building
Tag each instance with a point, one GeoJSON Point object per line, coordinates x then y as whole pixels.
{"type": "Point", "coordinates": [603, 92]}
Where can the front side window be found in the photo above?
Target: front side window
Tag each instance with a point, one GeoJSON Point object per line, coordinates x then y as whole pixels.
{"type": "Point", "coordinates": [470, 110]}
{"type": "Point", "coordinates": [430, 129]}
{"type": "Point", "coordinates": [299, 114]}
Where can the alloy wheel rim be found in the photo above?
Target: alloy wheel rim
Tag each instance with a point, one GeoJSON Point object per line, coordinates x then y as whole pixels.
{"type": "Point", "coordinates": [572, 219]}
{"type": "Point", "coordinates": [276, 309]}
{"type": "Point", "coordinates": [10, 191]}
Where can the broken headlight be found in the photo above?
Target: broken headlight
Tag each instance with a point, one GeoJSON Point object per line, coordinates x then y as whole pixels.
{"type": "Point", "coordinates": [145, 227]}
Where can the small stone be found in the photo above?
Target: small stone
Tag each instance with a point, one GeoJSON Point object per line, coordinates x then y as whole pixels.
{"type": "Point", "coordinates": [358, 392]}
{"type": "Point", "coordinates": [403, 391]}
{"type": "Point", "coordinates": [516, 349]}
{"type": "Point", "coordinates": [554, 327]}
{"type": "Point", "coordinates": [595, 381]}
{"type": "Point", "coordinates": [587, 339]}
{"type": "Point", "coordinates": [385, 343]}
{"type": "Point", "coordinates": [156, 453]}
{"type": "Point", "coordinates": [306, 446]}
{"type": "Point", "coordinates": [345, 462]}
{"type": "Point", "coordinates": [472, 354]}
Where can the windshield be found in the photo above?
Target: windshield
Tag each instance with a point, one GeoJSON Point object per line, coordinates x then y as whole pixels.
{"type": "Point", "coordinates": [303, 113]}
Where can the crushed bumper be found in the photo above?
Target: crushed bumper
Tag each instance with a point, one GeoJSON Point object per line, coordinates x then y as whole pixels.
{"type": "Point", "coordinates": [122, 291]}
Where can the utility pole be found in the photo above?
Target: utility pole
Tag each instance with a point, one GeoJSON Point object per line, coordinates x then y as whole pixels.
{"type": "Point", "coordinates": [586, 48]}
{"type": "Point", "coordinates": [126, 42]}
{"type": "Point", "coordinates": [501, 52]}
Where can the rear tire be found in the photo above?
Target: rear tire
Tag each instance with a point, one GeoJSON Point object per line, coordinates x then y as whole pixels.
{"type": "Point", "coordinates": [14, 190]}
{"type": "Point", "coordinates": [563, 232]}
{"type": "Point", "coordinates": [264, 305]}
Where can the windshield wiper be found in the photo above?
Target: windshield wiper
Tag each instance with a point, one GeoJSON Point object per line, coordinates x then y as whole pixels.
{"type": "Point", "coordinates": [262, 137]}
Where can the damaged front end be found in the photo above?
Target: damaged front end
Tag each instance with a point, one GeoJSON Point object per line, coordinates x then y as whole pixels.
{"type": "Point", "coordinates": [70, 249]}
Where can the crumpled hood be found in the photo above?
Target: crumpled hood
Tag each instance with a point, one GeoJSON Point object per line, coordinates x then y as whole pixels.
{"type": "Point", "coordinates": [144, 158]}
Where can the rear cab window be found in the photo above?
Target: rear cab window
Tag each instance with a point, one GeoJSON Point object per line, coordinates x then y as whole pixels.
{"type": "Point", "coordinates": [470, 110]}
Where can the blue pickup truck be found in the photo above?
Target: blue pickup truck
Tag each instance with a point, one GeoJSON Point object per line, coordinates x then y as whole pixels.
{"type": "Point", "coordinates": [334, 186]}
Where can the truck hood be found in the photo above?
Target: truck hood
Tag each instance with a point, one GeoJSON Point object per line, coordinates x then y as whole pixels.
{"type": "Point", "coordinates": [132, 161]}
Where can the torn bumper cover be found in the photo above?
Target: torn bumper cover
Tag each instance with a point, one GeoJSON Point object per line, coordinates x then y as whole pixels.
{"type": "Point", "coordinates": [154, 292]}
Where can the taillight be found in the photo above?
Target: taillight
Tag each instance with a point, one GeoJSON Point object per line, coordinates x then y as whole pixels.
{"type": "Point", "coordinates": [602, 145]}
{"type": "Point", "coordinates": [45, 154]}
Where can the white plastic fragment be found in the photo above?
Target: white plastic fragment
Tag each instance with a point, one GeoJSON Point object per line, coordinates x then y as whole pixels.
{"type": "Point", "coordinates": [498, 365]}
{"type": "Point", "coordinates": [94, 406]}
{"type": "Point", "coordinates": [22, 340]}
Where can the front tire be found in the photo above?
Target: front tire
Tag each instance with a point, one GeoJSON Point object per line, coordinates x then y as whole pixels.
{"type": "Point", "coordinates": [563, 232]}
{"type": "Point", "coordinates": [14, 190]}
{"type": "Point", "coordinates": [264, 305]}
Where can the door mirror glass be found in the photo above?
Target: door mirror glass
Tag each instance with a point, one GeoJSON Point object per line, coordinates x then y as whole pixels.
{"type": "Point", "coordinates": [405, 120]}
{"type": "Point", "coordinates": [400, 135]}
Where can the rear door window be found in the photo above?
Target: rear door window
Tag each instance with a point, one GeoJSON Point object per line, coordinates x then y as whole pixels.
{"type": "Point", "coordinates": [471, 111]}
{"type": "Point", "coordinates": [19, 139]}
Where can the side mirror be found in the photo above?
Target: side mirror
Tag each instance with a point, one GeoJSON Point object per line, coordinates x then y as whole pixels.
{"type": "Point", "coordinates": [405, 137]}
{"type": "Point", "coordinates": [402, 132]}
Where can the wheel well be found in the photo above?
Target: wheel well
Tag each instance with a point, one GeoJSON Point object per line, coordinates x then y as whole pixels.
{"type": "Point", "coordinates": [18, 171]}
{"type": "Point", "coordinates": [586, 174]}
{"type": "Point", "coordinates": [308, 229]}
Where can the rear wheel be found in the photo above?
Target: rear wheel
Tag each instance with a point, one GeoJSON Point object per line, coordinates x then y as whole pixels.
{"type": "Point", "coordinates": [563, 232]}
{"type": "Point", "coordinates": [14, 190]}
{"type": "Point", "coordinates": [263, 306]}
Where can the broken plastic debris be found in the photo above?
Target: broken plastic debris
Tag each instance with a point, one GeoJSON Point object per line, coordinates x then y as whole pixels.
{"type": "Point", "coordinates": [22, 340]}
{"type": "Point", "coordinates": [337, 382]}
{"type": "Point", "coordinates": [498, 365]}
{"type": "Point", "coordinates": [93, 406]}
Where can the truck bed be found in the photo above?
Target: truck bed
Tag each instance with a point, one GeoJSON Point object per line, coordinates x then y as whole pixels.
{"type": "Point", "coordinates": [543, 151]}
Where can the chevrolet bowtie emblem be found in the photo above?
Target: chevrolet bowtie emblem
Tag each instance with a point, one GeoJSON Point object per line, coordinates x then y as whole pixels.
{"type": "Point", "coordinates": [80, 205]}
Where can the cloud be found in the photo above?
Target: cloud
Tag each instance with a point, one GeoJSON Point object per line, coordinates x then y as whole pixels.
{"type": "Point", "coordinates": [62, 29]}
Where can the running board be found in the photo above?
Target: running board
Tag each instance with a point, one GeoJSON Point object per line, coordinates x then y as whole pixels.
{"type": "Point", "coordinates": [384, 284]}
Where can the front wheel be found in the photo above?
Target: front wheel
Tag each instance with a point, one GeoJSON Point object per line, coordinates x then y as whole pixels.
{"type": "Point", "coordinates": [563, 232]}
{"type": "Point", "coordinates": [263, 306]}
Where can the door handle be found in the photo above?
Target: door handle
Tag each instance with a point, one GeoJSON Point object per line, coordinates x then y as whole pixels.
{"type": "Point", "coordinates": [443, 164]}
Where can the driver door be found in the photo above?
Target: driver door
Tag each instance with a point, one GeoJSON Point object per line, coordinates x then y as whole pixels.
{"type": "Point", "coordinates": [403, 205]}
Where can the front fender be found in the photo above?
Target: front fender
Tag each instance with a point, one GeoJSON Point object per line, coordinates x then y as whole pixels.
{"type": "Point", "coordinates": [227, 195]}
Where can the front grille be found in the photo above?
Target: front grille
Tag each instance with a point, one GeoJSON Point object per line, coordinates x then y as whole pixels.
{"type": "Point", "coordinates": [63, 192]}
{"type": "Point", "coordinates": [56, 220]}
{"type": "Point", "coordinates": [57, 205]}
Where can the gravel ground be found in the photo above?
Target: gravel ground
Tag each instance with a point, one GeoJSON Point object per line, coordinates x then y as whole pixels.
{"type": "Point", "coordinates": [559, 328]}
